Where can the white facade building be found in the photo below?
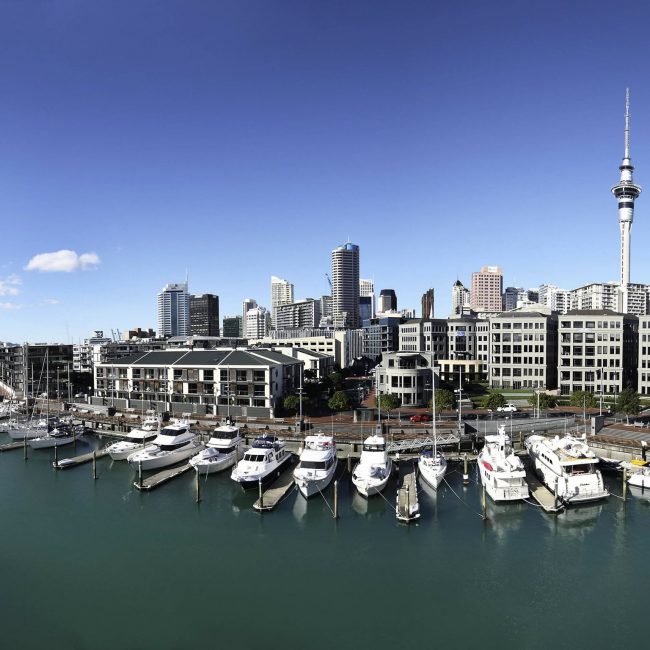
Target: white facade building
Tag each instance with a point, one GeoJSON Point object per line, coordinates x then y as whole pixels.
{"type": "Point", "coordinates": [281, 294]}
{"type": "Point", "coordinates": [345, 286]}
{"type": "Point", "coordinates": [174, 310]}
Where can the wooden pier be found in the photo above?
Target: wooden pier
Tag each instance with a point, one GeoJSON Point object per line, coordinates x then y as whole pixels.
{"type": "Point", "coordinates": [408, 508]}
{"type": "Point", "coordinates": [66, 463]}
{"type": "Point", "coordinates": [159, 478]}
{"type": "Point", "coordinates": [12, 445]}
{"type": "Point", "coordinates": [542, 494]}
{"type": "Point", "coordinates": [276, 491]}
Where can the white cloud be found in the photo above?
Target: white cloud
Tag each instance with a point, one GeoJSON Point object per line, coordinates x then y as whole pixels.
{"type": "Point", "coordinates": [51, 301]}
{"type": "Point", "coordinates": [8, 286]}
{"type": "Point", "coordinates": [9, 305]}
{"type": "Point", "coordinates": [63, 261]}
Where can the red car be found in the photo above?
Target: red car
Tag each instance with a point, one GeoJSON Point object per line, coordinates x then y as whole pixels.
{"type": "Point", "coordinates": [420, 417]}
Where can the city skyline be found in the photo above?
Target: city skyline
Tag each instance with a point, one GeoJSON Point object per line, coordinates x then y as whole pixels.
{"type": "Point", "coordinates": [327, 121]}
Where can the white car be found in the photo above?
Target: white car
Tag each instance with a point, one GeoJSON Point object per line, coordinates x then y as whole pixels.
{"type": "Point", "coordinates": [508, 408]}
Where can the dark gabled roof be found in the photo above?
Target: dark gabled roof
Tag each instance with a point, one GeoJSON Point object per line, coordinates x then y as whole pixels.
{"type": "Point", "coordinates": [127, 360]}
{"type": "Point", "coordinates": [275, 357]}
{"type": "Point", "coordinates": [592, 312]}
{"type": "Point", "coordinates": [203, 358]}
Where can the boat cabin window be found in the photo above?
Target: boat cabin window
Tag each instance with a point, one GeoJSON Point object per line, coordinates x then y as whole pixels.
{"type": "Point", "coordinates": [374, 447]}
{"type": "Point", "coordinates": [168, 431]}
{"type": "Point", "coordinates": [579, 469]}
{"type": "Point", "coordinates": [226, 450]}
{"type": "Point", "coordinates": [176, 445]}
{"type": "Point", "coordinates": [255, 458]}
{"type": "Point", "coordinates": [313, 464]}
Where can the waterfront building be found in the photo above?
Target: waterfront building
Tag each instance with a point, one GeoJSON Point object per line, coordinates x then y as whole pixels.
{"type": "Point", "coordinates": [173, 310]}
{"type": "Point", "coordinates": [281, 294]}
{"type": "Point", "coordinates": [460, 298]}
{"type": "Point", "coordinates": [232, 326]}
{"type": "Point", "coordinates": [427, 303]}
{"type": "Point", "coordinates": [199, 381]}
{"type": "Point", "coordinates": [597, 347]}
{"type": "Point", "coordinates": [82, 353]}
{"type": "Point", "coordinates": [523, 349]}
{"type": "Point", "coordinates": [487, 287]}
{"type": "Point", "coordinates": [345, 286]}
{"type": "Point", "coordinates": [302, 313]}
{"type": "Point", "coordinates": [424, 335]}
{"type": "Point", "coordinates": [204, 315]}
{"type": "Point", "coordinates": [643, 364]}
{"type": "Point", "coordinates": [465, 333]}
{"type": "Point", "coordinates": [380, 335]}
{"type": "Point", "coordinates": [407, 375]}
{"type": "Point", "coordinates": [626, 193]}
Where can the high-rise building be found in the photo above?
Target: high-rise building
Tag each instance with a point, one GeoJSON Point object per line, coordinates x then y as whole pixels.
{"type": "Point", "coordinates": [258, 323]}
{"type": "Point", "coordinates": [232, 327]}
{"type": "Point", "coordinates": [626, 192]}
{"type": "Point", "coordinates": [173, 310]}
{"type": "Point", "coordinates": [302, 313]}
{"type": "Point", "coordinates": [427, 304]}
{"type": "Point", "coordinates": [366, 300]}
{"type": "Point", "coordinates": [365, 309]}
{"type": "Point", "coordinates": [204, 314]}
{"type": "Point", "coordinates": [281, 294]}
{"type": "Point", "coordinates": [345, 285]}
{"type": "Point", "coordinates": [487, 287]}
{"type": "Point", "coordinates": [366, 287]}
{"type": "Point", "coordinates": [247, 304]}
{"type": "Point", "coordinates": [459, 298]}
{"type": "Point", "coordinates": [387, 301]}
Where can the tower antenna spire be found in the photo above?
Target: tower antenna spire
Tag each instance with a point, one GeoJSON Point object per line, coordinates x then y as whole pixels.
{"type": "Point", "coordinates": [627, 123]}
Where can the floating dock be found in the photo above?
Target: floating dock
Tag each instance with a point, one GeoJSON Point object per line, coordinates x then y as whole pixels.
{"type": "Point", "coordinates": [541, 493]}
{"type": "Point", "coordinates": [159, 478]}
{"type": "Point", "coordinates": [66, 463]}
{"type": "Point", "coordinates": [12, 445]}
{"type": "Point", "coordinates": [407, 508]}
{"type": "Point", "coordinates": [276, 491]}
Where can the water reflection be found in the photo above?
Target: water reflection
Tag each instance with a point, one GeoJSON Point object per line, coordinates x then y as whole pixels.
{"type": "Point", "coordinates": [575, 521]}
{"type": "Point", "coordinates": [505, 518]}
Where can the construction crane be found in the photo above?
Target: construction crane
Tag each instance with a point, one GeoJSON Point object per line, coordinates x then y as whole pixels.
{"type": "Point", "coordinates": [329, 280]}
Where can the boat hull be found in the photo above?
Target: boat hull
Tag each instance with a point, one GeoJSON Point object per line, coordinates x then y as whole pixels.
{"type": "Point", "coordinates": [122, 453]}
{"type": "Point", "coordinates": [432, 476]}
{"type": "Point", "coordinates": [309, 487]}
{"type": "Point", "coordinates": [165, 459]}
{"type": "Point", "coordinates": [369, 486]}
{"type": "Point", "coordinates": [248, 482]}
{"type": "Point", "coordinates": [498, 488]}
{"type": "Point", "coordinates": [46, 442]}
{"type": "Point", "coordinates": [204, 467]}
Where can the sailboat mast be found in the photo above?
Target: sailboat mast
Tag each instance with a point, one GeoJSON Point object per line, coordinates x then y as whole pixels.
{"type": "Point", "coordinates": [433, 409]}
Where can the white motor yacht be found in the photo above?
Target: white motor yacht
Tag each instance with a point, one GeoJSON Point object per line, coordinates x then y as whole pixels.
{"type": "Point", "coordinates": [151, 423]}
{"type": "Point", "coordinates": [317, 465]}
{"type": "Point", "coordinates": [63, 434]}
{"type": "Point", "coordinates": [135, 440]}
{"type": "Point", "coordinates": [502, 471]}
{"type": "Point", "coordinates": [567, 467]}
{"type": "Point", "coordinates": [371, 474]}
{"type": "Point", "coordinates": [175, 443]}
{"type": "Point", "coordinates": [638, 473]}
{"type": "Point", "coordinates": [223, 450]}
{"type": "Point", "coordinates": [262, 462]}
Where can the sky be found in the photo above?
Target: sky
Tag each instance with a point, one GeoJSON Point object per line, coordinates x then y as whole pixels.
{"type": "Point", "coordinates": [237, 140]}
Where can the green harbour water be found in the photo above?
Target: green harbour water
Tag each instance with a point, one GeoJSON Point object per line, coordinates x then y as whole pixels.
{"type": "Point", "coordinates": [96, 564]}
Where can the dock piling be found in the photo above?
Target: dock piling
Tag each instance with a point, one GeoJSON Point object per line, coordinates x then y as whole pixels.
{"type": "Point", "coordinates": [624, 483]}
{"type": "Point", "coordinates": [336, 500]}
{"type": "Point", "coordinates": [555, 489]}
{"type": "Point", "coordinates": [56, 454]}
{"type": "Point", "coordinates": [198, 486]}
{"type": "Point", "coordinates": [140, 473]}
{"type": "Point", "coordinates": [349, 463]}
{"type": "Point", "coordinates": [25, 456]}
{"type": "Point", "coordinates": [484, 504]}
{"type": "Point", "coordinates": [94, 465]}
{"type": "Point", "coordinates": [261, 494]}
{"type": "Point", "coordinates": [465, 472]}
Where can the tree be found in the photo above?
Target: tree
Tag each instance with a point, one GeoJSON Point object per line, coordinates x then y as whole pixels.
{"type": "Point", "coordinates": [309, 374]}
{"type": "Point", "coordinates": [546, 401]}
{"type": "Point", "coordinates": [445, 399]}
{"type": "Point", "coordinates": [389, 402]}
{"type": "Point", "coordinates": [584, 399]}
{"type": "Point", "coordinates": [495, 400]}
{"type": "Point", "coordinates": [340, 401]}
{"type": "Point", "coordinates": [628, 403]}
{"type": "Point", "coordinates": [291, 403]}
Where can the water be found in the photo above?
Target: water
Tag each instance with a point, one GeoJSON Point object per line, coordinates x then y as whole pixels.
{"type": "Point", "coordinates": [97, 564]}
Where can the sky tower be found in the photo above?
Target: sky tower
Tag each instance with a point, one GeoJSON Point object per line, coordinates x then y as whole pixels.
{"type": "Point", "coordinates": [626, 192]}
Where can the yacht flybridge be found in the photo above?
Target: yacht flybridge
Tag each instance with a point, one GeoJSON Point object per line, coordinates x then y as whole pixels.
{"type": "Point", "coordinates": [317, 465]}
{"type": "Point", "coordinates": [567, 466]}
{"type": "Point", "coordinates": [135, 440]}
{"type": "Point", "coordinates": [262, 462]}
{"type": "Point", "coordinates": [222, 451]}
{"type": "Point", "coordinates": [502, 471]}
{"type": "Point", "coordinates": [175, 443]}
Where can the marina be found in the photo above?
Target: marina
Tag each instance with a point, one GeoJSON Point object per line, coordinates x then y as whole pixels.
{"type": "Point", "coordinates": [159, 478]}
{"type": "Point", "coordinates": [275, 493]}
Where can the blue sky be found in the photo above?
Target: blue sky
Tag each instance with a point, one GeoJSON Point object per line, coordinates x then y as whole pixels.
{"type": "Point", "coordinates": [244, 139]}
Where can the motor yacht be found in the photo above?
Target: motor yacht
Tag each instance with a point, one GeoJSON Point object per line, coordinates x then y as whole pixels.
{"type": "Point", "coordinates": [63, 434]}
{"type": "Point", "coordinates": [262, 462]}
{"type": "Point", "coordinates": [567, 466]}
{"type": "Point", "coordinates": [175, 442]}
{"type": "Point", "coordinates": [371, 474]}
{"type": "Point", "coordinates": [135, 440]}
{"type": "Point", "coordinates": [502, 471]}
{"type": "Point", "coordinates": [317, 465]}
{"type": "Point", "coordinates": [223, 450]}
{"type": "Point", "coordinates": [638, 473]}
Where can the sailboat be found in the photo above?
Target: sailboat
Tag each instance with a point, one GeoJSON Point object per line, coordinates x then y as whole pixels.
{"type": "Point", "coordinates": [431, 463]}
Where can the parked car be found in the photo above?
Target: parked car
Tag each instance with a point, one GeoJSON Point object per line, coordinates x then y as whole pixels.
{"type": "Point", "coordinates": [420, 417]}
{"type": "Point", "coordinates": [508, 408]}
